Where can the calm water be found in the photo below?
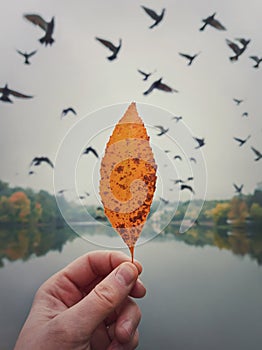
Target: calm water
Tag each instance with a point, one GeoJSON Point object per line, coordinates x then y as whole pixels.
{"type": "Point", "coordinates": [204, 289]}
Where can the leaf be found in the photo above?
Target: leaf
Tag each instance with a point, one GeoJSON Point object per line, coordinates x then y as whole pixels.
{"type": "Point", "coordinates": [128, 177]}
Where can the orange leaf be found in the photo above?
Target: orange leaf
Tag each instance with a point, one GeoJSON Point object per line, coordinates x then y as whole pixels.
{"type": "Point", "coordinates": [128, 177]}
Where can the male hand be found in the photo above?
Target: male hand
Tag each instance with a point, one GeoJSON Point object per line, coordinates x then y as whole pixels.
{"type": "Point", "coordinates": [87, 305]}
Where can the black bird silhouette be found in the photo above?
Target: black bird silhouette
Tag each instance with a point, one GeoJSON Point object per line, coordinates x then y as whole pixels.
{"type": "Point", "coordinates": [159, 86]}
{"type": "Point", "coordinates": [257, 153]}
{"type": "Point", "coordinates": [241, 141]}
{"type": "Point", "coordinates": [201, 142]}
{"type": "Point", "coordinates": [238, 188]}
{"type": "Point", "coordinates": [190, 178]}
{"type": "Point", "coordinates": [61, 191]}
{"type": "Point", "coordinates": [177, 118]}
{"type": "Point", "coordinates": [178, 181]}
{"type": "Point", "coordinates": [178, 157]}
{"type": "Point", "coordinates": [31, 172]}
{"type": "Point", "coordinates": [245, 114]}
{"type": "Point", "coordinates": [257, 60]}
{"type": "Point", "coordinates": [26, 55]}
{"type": "Point", "coordinates": [83, 196]}
{"type": "Point", "coordinates": [157, 18]}
{"type": "Point", "coordinates": [5, 91]}
{"type": "Point", "coordinates": [189, 57]}
{"type": "Point", "coordinates": [165, 201]}
{"type": "Point", "coordinates": [187, 187]}
{"type": "Point", "coordinates": [146, 75]}
{"type": "Point", "coordinates": [92, 150]}
{"type": "Point", "coordinates": [111, 47]}
{"type": "Point", "coordinates": [236, 49]}
{"type": "Point", "coordinates": [237, 101]}
{"type": "Point", "coordinates": [38, 160]}
{"type": "Point", "coordinates": [48, 27]}
{"type": "Point", "coordinates": [192, 159]}
{"type": "Point", "coordinates": [67, 110]}
{"type": "Point", "coordinates": [162, 130]}
{"type": "Point", "coordinates": [212, 22]}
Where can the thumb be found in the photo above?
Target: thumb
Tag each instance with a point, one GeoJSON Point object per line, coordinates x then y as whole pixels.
{"type": "Point", "coordinates": [104, 298]}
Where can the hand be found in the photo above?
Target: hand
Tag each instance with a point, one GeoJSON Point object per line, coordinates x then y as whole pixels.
{"type": "Point", "coordinates": [87, 305]}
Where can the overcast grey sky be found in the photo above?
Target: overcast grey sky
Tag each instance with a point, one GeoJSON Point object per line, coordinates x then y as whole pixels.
{"type": "Point", "coordinates": [75, 72]}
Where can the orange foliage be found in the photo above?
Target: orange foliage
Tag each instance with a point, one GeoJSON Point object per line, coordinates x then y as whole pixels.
{"type": "Point", "coordinates": [21, 205]}
{"type": "Point", "coordinates": [128, 177]}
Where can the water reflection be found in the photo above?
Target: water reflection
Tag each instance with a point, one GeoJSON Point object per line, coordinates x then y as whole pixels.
{"type": "Point", "coordinates": [21, 243]}
{"type": "Point", "coordinates": [240, 241]}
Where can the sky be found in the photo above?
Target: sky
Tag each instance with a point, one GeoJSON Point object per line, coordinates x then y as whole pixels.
{"type": "Point", "coordinates": [74, 72]}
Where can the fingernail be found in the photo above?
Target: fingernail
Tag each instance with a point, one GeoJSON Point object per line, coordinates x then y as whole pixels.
{"type": "Point", "coordinates": [126, 274]}
{"type": "Point", "coordinates": [127, 325]}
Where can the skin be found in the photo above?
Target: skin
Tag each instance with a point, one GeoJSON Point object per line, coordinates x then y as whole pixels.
{"type": "Point", "coordinates": [87, 305]}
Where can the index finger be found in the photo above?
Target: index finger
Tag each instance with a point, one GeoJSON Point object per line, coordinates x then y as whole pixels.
{"type": "Point", "coordinates": [94, 265]}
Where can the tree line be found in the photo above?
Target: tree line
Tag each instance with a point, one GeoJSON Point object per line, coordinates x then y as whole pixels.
{"type": "Point", "coordinates": [25, 206]}
{"type": "Point", "coordinates": [239, 210]}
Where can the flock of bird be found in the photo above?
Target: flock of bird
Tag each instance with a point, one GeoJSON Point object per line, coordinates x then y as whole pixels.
{"type": "Point", "coordinates": [238, 46]}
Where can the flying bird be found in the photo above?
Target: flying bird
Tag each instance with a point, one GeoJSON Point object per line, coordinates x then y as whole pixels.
{"type": "Point", "coordinates": [146, 75]}
{"type": "Point", "coordinates": [178, 181]}
{"type": "Point", "coordinates": [257, 60]}
{"type": "Point", "coordinates": [157, 18]}
{"type": "Point", "coordinates": [236, 49]}
{"type": "Point", "coordinates": [159, 86]}
{"type": "Point", "coordinates": [192, 159]}
{"type": "Point", "coordinates": [212, 22]}
{"type": "Point", "coordinates": [189, 57]}
{"type": "Point", "coordinates": [257, 153]}
{"type": "Point", "coordinates": [241, 141]}
{"type": "Point", "coordinates": [162, 130]}
{"type": "Point", "coordinates": [178, 157]}
{"type": "Point", "coordinates": [48, 27]}
{"type": "Point", "coordinates": [238, 188]}
{"type": "Point", "coordinates": [165, 201]}
{"type": "Point", "coordinates": [245, 114]}
{"type": "Point", "coordinates": [38, 160]}
{"type": "Point", "coordinates": [83, 196]}
{"type": "Point", "coordinates": [177, 118]}
{"type": "Point", "coordinates": [67, 110]}
{"type": "Point", "coordinates": [60, 192]}
{"type": "Point", "coordinates": [237, 101]}
{"type": "Point", "coordinates": [27, 55]}
{"type": "Point", "coordinates": [5, 91]}
{"type": "Point", "coordinates": [92, 150]}
{"type": "Point", "coordinates": [111, 47]}
{"type": "Point", "coordinates": [201, 142]}
{"type": "Point", "coordinates": [187, 187]}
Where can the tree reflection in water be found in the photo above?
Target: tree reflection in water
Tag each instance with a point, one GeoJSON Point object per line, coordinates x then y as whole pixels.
{"type": "Point", "coordinates": [21, 243]}
{"type": "Point", "coordinates": [240, 241]}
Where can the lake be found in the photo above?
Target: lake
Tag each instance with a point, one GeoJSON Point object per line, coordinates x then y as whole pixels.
{"type": "Point", "coordinates": [204, 287]}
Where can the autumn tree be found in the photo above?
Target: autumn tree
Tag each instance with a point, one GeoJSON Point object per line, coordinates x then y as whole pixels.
{"type": "Point", "coordinates": [219, 213]}
{"type": "Point", "coordinates": [5, 209]}
{"type": "Point", "coordinates": [19, 207]}
{"type": "Point", "coordinates": [256, 212]}
{"type": "Point", "coordinates": [238, 211]}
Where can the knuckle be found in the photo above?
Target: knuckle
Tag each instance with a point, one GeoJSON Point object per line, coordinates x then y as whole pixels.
{"type": "Point", "coordinates": [105, 295]}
